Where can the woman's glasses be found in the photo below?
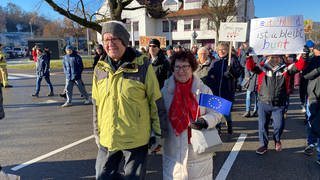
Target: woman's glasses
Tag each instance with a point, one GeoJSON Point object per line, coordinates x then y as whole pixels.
{"type": "Point", "coordinates": [183, 67]}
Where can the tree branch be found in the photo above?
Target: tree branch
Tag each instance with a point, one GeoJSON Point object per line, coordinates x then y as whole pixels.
{"type": "Point", "coordinates": [135, 8]}
{"type": "Point", "coordinates": [93, 25]}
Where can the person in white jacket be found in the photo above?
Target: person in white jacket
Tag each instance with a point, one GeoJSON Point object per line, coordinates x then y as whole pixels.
{"type": "Point", "coordinates": [181, 95]}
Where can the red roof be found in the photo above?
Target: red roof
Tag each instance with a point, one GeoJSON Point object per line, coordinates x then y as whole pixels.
{"type": "Point", "coordinates": [189, 12]}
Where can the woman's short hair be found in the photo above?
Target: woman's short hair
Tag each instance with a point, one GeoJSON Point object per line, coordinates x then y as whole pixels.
{"type": "Point", "coordinates": [205, 49]}
{"type": "Point", "coordinates": [184, 56]}
{"type": "Point", "coordinates": [223, 44]}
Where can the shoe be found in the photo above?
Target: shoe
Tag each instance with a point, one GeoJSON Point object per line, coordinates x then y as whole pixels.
{"type": "Point", "coordinates": [309, 150]}
{"type": "Point", "coordinates": [247, 114]}
{"type": "Point", "coordinates": [278, 146]}
{"type": "Point", "coordinates": [8, 86]}
{"type": "Point", "coordinates": [261, 150]}
{"type": "Point", "coordinates": [255, 114]}
{"type": "Point", "coordinates": [35, 95]}
{"type": "Point", "coordinates": [64, 95]}
{"type": "Point", "coordinates": [67, 104]}
{"type": "Point", "coordinates": [51, 94]}
{"type": "Point", "coordinates": [303, 109]}
{"type": "Point", "coordinates": [86, 102]}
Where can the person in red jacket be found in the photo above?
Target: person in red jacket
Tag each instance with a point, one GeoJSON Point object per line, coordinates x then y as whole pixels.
{"type": "Point", "coordinates": [273, 92]}
{"type": "Point", "coordinates": [34, 53]}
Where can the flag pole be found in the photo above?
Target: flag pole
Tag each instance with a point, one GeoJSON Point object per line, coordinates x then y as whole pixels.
{"type": "Point", "coordinates": [230, 50]}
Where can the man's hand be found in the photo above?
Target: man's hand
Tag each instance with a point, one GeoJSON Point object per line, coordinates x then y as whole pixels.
{"type": "Point", "coordinates": [155, 144]}
{"type": "Point", "coordinates": [199, 124]}
{"type": "Point", "coordinates": [228, 75]}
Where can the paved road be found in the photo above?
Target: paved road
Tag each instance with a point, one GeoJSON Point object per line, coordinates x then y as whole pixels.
{"type": "Point", "coordinates": [57, 142]}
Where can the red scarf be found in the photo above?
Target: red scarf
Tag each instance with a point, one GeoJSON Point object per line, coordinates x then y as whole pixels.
{"type": "Point", "coordinates": [183, 108]}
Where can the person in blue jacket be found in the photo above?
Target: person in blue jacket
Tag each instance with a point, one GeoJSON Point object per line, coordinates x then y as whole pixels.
{"type": "Point", "coordinates": [73, 67]}
{"type": "Point", "coordinates": [42, 71]}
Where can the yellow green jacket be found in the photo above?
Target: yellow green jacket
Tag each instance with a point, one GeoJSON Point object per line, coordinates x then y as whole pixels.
{"type": "Point", "coordinates": [3, 61]}
{"type": "Point", "coordinates": [125, 104]}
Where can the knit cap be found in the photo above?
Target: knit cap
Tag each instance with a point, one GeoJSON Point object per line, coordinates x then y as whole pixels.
{"type": "Point", "coordinates": [118, 29]}
{"type": "Point", "coordinates": [155, 42]}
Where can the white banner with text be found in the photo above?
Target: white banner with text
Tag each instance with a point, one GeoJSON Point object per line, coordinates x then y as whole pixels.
{"type": "Point", "coordinates": [277, 35]}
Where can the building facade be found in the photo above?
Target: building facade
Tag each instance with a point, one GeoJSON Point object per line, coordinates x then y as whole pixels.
{"type": "Point", "coordinates": [185, 19]}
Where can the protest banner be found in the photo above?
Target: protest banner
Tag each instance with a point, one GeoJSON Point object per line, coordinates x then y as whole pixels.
{"type": "Point", "coordinates": [233, 32]}
{"type": "Point", "coordinates": [277, 35]}
{"type": "Point", "coordinates": [144, 40]}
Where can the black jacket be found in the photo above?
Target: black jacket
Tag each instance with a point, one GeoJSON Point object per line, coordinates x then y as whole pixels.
{"type": "Point", "coordinates": [162, 69]}
{"type": "Point", "coordinates": [312, 74]}
{"type": "Point", "coordinates": [219, 84]}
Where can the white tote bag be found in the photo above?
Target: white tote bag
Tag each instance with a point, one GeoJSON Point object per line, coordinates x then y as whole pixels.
{"type": "Point", "coordinates": [205, 141]}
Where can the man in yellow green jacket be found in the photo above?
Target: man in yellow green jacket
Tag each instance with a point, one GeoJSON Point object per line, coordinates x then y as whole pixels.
{"type": "Point", "coordinates": [127, 106]}
{"type": "Point", "coordinates": [3, 69]}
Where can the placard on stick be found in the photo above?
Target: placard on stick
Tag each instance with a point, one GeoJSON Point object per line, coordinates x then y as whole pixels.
{"type": "Point", "coordinates": [234, 31]}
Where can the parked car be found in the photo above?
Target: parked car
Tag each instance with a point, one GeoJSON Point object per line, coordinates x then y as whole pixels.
{"type": "Point", "coordinates": [8, 52]}
{"type": "Point", "coordinates": [19, 52]}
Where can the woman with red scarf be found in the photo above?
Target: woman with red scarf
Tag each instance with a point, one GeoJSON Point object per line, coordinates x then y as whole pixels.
{"type": "Point", "coordinates": [181, 94]}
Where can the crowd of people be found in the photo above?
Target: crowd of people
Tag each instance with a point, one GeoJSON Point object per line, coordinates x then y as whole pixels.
{"type": "Point", "coordinates": [124, 91]}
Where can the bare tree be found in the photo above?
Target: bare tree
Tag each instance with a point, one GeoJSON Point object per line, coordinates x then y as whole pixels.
{"type": "Point", "coordinates": [78, 12]}
{"type": "Point", "coordinates": [220, 11]}
{"type": "Point", "coordinates": [53, 29]}
{"type": "Point", "coordinates": [2, 20]}
{"type": "Point", "coordinates": [73, 29]}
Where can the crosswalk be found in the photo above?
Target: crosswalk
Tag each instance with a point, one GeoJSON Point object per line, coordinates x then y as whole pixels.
{"type": "Point", "coordinates": [15, 76]}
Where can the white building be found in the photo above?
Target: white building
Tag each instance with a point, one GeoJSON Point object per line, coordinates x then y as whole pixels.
{"type": "Point", "coordinates": [184, 18]}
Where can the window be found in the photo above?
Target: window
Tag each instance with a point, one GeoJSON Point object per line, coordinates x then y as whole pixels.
{"type": "Point", "coordinates": [211, 24]}
{"type": "Point", "coordinates": [196, 24]}
{"type": "Point", "coordinates": [165, 26]}
{"type": "Point", "coordinates": [174, 26]}
{"type": "Point", "coordinates": [187, 25]}
{"type": "Point", "coordinates": [136, 26]}
{"type": "Point", "coordinates": [128, 26]}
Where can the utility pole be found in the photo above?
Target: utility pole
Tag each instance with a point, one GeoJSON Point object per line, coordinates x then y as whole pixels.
{"type": "Point", "coordinates": [31, 33]}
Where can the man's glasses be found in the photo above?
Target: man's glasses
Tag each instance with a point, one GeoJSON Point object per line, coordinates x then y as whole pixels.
{"type": "Point", "coordinates": [153, 46]}
{"type": "Point", "coordinates": [113, 40]}
{"type": "Point", "coordinates": [183, 67]}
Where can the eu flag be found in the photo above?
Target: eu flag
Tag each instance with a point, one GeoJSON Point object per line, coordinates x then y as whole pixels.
{"type": "Point", "coordinates": [216, 103]}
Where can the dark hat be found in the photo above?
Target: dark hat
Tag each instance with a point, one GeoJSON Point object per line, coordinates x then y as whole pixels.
{"type": "Point", "coordinates": [309, 43]}
{"type": "Point", "coordinates": [118, 29]}
{"type": "Point", "coordinates": [317, 46]}
{"type": "Point", "coordinates": [69, 47]}
{"type": "Point", "coordinates": [155, 42]}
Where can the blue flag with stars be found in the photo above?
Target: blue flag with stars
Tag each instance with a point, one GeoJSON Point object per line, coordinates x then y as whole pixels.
{"type": "Point", "coordinates": [216, 103]}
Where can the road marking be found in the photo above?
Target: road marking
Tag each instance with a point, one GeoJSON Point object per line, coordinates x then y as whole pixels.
{"type": "Point", "coordinates": [223, 173]}
{"type": "Point", "coordinates": [16, 168]}
{"type": "Point", "coordinates": [14, 76]}
{"type": "Point", "coordinates": [238, 94]}
{"type": "Point", "coordinates": [50, 101]}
